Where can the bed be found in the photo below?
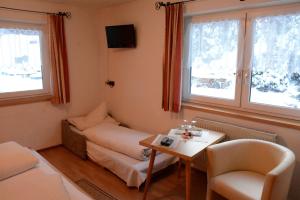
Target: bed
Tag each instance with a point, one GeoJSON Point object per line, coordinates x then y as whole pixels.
{"type": "Point", "coordinates": [27, 175]}
{"type": "Point", "coordinates": [107, 145]}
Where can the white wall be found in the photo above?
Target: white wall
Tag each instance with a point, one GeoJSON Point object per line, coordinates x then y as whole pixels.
{"type": "Point", "coordinates": [38, 125]}
{"type": "Point", "coordinates": [136, 98]}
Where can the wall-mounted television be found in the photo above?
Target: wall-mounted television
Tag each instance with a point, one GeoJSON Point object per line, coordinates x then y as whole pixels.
{"type": "Point", "coordinates": [121, 36]}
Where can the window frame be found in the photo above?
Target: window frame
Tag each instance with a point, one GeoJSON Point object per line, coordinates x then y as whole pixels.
{"type": "Point", "coordinates": [38, 94]}
{"type": "Point", "coordinates": [187, 96]}
{"type": "Point", "coordinates": [243, 68]}
{"type": "Point", "coordinates": [246, 87]}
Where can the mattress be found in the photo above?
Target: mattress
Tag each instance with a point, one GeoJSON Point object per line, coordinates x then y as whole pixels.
{"type": "Point", "coordinates": [132, 171]}
{"type": "Point", "coordinates": [75, 193]}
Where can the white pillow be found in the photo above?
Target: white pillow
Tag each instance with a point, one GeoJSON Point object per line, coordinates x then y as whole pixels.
{"type": "Point", "coordinates": [109, 119]}
{"type": "Point", "coordinates": [15, 159]}
{"type": "Point", "coordinates": [78, 122]}
{"type": "Point", "coordinates": [95, 117]}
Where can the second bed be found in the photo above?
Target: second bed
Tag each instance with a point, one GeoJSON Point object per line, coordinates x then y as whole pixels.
{"type": "Point", "coordinates": [115, 148]}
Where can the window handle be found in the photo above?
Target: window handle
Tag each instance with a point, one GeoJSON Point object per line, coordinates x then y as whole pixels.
{"type": "Point", "coordinates": [247, 76]}
{"type": "Point", "coordinates": [238, 74]}
{"type": "Point", "coordinates": [247, 73]}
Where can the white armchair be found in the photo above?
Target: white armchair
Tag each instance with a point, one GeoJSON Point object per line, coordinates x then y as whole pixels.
{"type": "Point", "coordinates": [249, 169]}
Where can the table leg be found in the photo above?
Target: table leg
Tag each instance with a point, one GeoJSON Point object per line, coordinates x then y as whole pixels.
{"type": "Point", "coordinates": [149, 173]}
{"type": "Point", "coordinates": [187, 180]}
{"type": "Point", "coordinates": [179, 168]}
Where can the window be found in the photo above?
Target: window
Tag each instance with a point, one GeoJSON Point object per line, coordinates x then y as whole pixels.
{"type": "Point", "coordinates": [249, 60]}
{"type": "Point", "coordinates": [24, 69]}
{"type": "Point", "coordinates": [213, 50]}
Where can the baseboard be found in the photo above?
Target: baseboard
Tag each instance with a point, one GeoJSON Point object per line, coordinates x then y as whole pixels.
{"type": "Point", "coordinates": [50, 147]}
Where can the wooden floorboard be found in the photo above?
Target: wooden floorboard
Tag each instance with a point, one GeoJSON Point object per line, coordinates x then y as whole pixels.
{"type": "Point", "coordinates": [164, 185]}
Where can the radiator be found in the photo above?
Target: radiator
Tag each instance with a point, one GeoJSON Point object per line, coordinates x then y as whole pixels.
{"type": "Point", "coordinates": [232, 132]}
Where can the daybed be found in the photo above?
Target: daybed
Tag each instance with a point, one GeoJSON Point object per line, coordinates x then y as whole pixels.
{"type": "Point", "coordinates": [101, 138]}
{"type": "Point", "coordinates": [24, 174]}
{"type": "Point", "coordinates": [112, 146]}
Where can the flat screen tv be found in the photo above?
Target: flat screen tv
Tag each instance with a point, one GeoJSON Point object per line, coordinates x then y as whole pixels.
{"type": "Point", "coordinates": [121, 36]}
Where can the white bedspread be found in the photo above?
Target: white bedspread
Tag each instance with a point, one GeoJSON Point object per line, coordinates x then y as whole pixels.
{"type": "Point", "coordinates": [33, 185]}
{"type": "Point", "coordinates": [132, 171]}
{"type": "Point", "coordinates": [43, 182]}
{"type": "Point", "coordinates": [119, 139]}
{"type": "Point", "coordinates": [74, 191]}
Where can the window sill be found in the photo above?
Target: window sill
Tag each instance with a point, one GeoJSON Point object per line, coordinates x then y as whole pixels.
{"type": "Point", "coordinates": [252, 116]}
{"type": "Point", "coordinates": [24, 100]}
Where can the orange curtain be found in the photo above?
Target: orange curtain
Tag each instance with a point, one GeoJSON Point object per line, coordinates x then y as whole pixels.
{"type": "Point", "coordinates": [59, 60]}
{"type": "Point", "coordinates": [172, 72]}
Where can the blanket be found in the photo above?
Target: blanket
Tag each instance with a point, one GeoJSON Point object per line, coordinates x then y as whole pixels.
{"type": "Point", "coordinates": [119, 139]}
{"type": "Point", "coordinates": [33, 184]}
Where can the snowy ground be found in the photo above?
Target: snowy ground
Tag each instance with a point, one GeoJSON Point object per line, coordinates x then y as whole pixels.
{"type": "Point", "coordinates": [227, 93]}
{"type": "Point", "coordinates": [19, 83]}
{"type": "Point", "coordinates": [284, 99]}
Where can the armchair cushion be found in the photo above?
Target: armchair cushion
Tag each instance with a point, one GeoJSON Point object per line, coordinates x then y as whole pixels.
{"type": "Point", "coordinates": [242, 185]}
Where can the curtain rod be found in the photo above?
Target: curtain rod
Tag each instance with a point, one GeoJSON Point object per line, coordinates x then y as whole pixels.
{"type": "Point", "coordinates": [160, 4]}
{"type": "Point", "coordinates": [65, 14]}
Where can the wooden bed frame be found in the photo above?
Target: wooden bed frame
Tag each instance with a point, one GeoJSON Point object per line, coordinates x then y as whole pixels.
{"type": "Point", "coordinates": [76, 142]}
{"type": "Point", "coordinates": [73, 141]}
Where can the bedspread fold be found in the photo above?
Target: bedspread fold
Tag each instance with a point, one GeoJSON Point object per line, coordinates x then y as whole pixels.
{"type": "Point", "coordinates": [119, 139]}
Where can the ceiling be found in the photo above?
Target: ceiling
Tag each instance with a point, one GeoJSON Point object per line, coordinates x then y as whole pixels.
{"type": "Point", "coordinates": [89, 2]}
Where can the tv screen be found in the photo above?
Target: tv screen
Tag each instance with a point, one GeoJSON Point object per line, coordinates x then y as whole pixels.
{"type": "Point", "coordinates": [121, 36]}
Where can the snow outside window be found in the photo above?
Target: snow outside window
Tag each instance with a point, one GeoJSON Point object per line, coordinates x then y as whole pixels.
{"type": "Point", "coordinates": [275, 78]}
{"type": "Point", "coordinates": [249, 63]}
{"type": "Point", "coordinates": [23, 69]}
{"type": "Point", "coordinates": [213, 58]}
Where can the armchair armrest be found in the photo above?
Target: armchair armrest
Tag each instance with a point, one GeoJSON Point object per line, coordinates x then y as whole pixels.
{"type": "Point", "coordinates": [277, 181]}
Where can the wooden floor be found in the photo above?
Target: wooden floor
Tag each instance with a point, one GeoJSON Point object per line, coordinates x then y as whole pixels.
{"type": "Point", "coordinates": [164, 186]}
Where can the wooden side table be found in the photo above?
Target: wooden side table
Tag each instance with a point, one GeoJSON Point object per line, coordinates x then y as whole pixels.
{"type": "Point", "coordinates": [186, 150]}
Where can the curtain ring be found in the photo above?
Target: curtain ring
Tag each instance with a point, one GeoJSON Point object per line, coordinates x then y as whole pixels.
{"type": "Point", "coordinates": [158, 5]}
{"type": "Point", "coordinates": [68, 15]}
